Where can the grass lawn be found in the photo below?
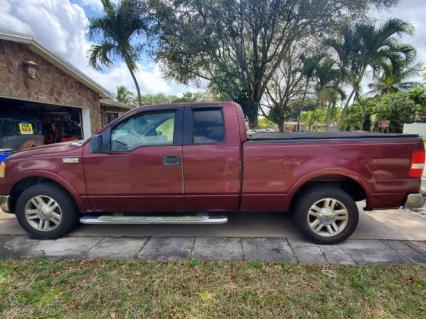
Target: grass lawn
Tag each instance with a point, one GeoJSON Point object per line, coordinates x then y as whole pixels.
{"type": "Point", "coordinates": [190, 289]}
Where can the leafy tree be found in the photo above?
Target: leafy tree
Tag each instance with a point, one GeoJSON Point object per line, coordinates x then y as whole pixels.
{"type": "Point", "coordinates": [358, 115]}
{"type": "Point", "coordinates": [285, 86]}
{"type": "Point", "coordinates": [197, 97]}
{"type": "Point", "coordinates": [311, 118]}
{"type": "Point", "coordinates": [424, 76]}
{"type": "Point", "coordinates": [354, 118]}
{"type": "Point", "coordinates": [398, 108]}
{"type": "Point", "coordinates": [115, 35]}
{"type": "Point", "coordinates": [327, 91]}
{"type": "Point", "coordinates": [266, 123]}
{"type": "Point", "coordinates": [367, 46]}
{"type": "Point", "coordinates": [418, 96]}
{"type": "Point", "coordinates": [125, 96]}
{"type": "Point", "coordinates": [160, 98]}
{"type": "Point", "coordinates": [238, 45]}
{"type": "Point", "coordinates": [392, 78]}
{"type": "Point", "coordinates": [309, 65]}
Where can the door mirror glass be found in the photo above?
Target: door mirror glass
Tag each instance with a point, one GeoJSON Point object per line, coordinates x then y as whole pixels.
{"type": "Point", "coordinates": [96, 144]}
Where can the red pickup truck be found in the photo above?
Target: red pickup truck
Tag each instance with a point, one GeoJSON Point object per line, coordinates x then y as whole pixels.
{"type": "Point", "coordinates": [195, 163]}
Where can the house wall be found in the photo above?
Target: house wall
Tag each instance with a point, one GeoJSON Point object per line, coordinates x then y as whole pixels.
{"type": "Point", "coordinates": [51, 85]}
{"type": "Point", "coordinates": [415, 128]}
{"type": "Point", "coordinates": [107, 108]}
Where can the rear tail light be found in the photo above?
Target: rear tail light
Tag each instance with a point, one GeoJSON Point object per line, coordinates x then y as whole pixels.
{"type": "Point", "coordinates": [417, 163]}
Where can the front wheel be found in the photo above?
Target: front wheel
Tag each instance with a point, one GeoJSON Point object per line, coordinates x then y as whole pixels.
{"type": "Point", "coordinates": [46, 211]}
{"type": "Point", "coordinates": [326, 215]}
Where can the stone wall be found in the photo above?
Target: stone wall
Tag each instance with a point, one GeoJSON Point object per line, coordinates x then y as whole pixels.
{"type": "Point", "coordinates": [50, 85]}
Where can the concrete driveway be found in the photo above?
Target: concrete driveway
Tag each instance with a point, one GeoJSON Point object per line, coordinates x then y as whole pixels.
{"type": "Point", "coordinates": [381, 224]}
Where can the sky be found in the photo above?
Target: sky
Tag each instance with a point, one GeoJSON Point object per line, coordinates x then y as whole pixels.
{"type": "Point", "coordinates": [413, 11]}
{"type": "Point", "coordinates": [60, 25]}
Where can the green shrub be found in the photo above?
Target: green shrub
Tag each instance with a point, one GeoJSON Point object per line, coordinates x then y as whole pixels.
{"type": "Point", "coordinates": [398, 108]}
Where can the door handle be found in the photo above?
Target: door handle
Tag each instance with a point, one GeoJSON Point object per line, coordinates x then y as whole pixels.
{"type": "Point", "coordinates": [171, 160]}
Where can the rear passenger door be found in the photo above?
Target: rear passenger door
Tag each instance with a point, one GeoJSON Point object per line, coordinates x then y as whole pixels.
{"type": "Point", "coordinates": [211, 157]}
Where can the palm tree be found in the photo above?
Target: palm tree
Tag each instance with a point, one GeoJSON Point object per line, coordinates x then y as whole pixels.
{"type": "Point", "coordinates": [327, 90]}
{"type": "Point", "coordinates": [392, 78]}
{"type": "Point", "coordinates": [367, 46]}
{"type": "Point", "coordinates": [307, 70]}
{"type": "Point", "coordinates": [115, 33]}
{"type": "Point", "coordinates": [124, 96]}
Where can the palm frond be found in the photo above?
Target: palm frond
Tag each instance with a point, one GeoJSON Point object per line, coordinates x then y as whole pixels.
{"type": "Point", "coordinates": [102, 54]}
{"type": "Point", "coordinates": [394, 27]}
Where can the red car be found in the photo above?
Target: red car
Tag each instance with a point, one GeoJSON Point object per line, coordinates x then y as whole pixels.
{"type": "Point", "coordinates": [195, 164]}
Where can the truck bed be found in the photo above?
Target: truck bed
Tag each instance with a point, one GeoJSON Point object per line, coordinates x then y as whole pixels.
{"type": "Point", "coordinates": [326, 136]}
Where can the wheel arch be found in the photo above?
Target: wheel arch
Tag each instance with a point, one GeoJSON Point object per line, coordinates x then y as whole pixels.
{"type": "Point", "coordinates": [353, 184]}
{"type": "Point", "coordinates": [25, 182]}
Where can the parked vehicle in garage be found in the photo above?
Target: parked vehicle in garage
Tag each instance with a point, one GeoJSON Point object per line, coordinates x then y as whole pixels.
{"type": "Point", "coordinates": [195, 164]}
{"type": "Point", "coordinates": [19, 132]}
{"type": "Point", "coordinates": [21, 129]}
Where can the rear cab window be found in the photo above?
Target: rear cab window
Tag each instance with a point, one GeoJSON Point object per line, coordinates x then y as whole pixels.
{"type": "Point", "coordinates": [208, 126]}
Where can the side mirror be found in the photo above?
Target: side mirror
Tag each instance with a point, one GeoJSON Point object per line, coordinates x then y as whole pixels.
{"type": "Point", "coordinates": [96, 144]}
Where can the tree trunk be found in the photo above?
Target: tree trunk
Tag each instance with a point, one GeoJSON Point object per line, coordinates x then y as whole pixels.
{"type": "Point", "coordinates": [311, 121]}
{"type": "Point", "coordinates": [138, 90]}
{"type": "Point", "coordinates": [281, 125]}
{"type": "Point", "coordinates": [327, 118]}
{"type": "Point", "coordinates": [303, 104]}
{"type": "Point", "coordinates": [252, 114]}
{"type": "Point", "coordinates": [343, 113]}
{"type": "Point", "coordinates": [253, 122]}
{"type": "Point", "coordinates": [354, 91]}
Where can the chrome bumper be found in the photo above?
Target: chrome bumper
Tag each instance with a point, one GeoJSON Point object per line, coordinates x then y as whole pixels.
{"type": "Point", "coordinates": [4, 207]}
{"type": "Point", "coordinates": [416, 200]}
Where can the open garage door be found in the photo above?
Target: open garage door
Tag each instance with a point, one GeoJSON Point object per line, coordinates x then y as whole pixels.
{"type": "Point", "coordinates": [24, 124]}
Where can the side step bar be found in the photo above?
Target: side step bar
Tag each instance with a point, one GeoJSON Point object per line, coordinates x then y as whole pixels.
{"type": "Point", "coordinates": [144, 219]}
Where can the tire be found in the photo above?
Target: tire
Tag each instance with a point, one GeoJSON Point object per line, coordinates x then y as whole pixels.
{"type": "Point", "coordinates": [333, 202]}
{"type": "Point", "coordinates": [28, 212]}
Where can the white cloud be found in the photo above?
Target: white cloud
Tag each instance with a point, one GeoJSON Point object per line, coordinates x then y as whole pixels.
{"type": "Point", "coordinates": [95, 5]}
{"type": "Point", "coordinates": [60, 26]}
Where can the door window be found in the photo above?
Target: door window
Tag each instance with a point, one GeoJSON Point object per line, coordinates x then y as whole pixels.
{"type": "Point", "coordinates": [208, 127]}
{"type": "Point", "coordinates": [144, 129]}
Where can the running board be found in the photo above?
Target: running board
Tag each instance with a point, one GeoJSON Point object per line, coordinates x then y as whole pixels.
{"type": "Point", "coordinates": [142, 219]}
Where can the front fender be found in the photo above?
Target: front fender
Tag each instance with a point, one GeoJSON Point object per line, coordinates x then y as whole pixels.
{"type": "Point", "coordinates": [82, 206]}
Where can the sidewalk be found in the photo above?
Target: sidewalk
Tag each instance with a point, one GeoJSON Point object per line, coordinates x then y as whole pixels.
{"type": "Point", "coordinates": [218, 248]}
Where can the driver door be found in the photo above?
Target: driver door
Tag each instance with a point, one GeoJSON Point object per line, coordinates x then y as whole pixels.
{"type": "Point", "coordinates": [142, 172]}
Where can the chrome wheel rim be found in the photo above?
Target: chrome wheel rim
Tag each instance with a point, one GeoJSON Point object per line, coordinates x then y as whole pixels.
{"type": "Point", "coordinates": [328, 217]}
{"type": "Point", "coordinates": [43, 213]}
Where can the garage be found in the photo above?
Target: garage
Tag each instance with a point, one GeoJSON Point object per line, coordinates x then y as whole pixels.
{"type": "Point", "coordinates": [44, 99]}
{"type": "Point", "coordinates": [26, 124]}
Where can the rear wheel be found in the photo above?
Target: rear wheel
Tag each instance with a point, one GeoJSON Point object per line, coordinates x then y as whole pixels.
{"type": "Point", "coordinates": [46, 211]}
{"type": "Point", "coordinates": [326, 215]}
